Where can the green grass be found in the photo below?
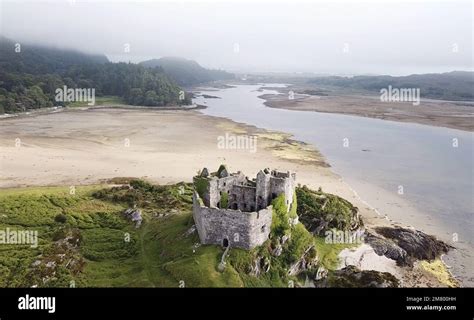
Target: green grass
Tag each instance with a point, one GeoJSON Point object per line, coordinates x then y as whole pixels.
{"type": "Point", "coordinates": [280, 224]}
{"type": "Point", "coordinates": [224, 200]}
{"type": "Point", "coordinates": [314, 207]}
{"type": "Point", "coordinates": [35, 209]}
{"type": "Point", "coordinates": [328, 252]}
{"type": "Point", "coordinates": [103, 100]}
{"type": "Point", "coordinates": [201, 184]}
{"type": "Point", "coordinates": [156, 255]}
{"type": "Point", "coordinates": [113, 253]}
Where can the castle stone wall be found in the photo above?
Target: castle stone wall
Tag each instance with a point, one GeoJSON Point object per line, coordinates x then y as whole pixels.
{"type": "Point", "coordinates": [263, 190]}
{"type": "Point", "coordinates": [225, 184]}
{"type": "Point", "coordinates": [246, 221]}
{"type": "Point", "coordinates": [242, 198]}
{"type": "Point", "coordinates": [282, 185]}
{"type": "Point", "coordinates": [240, 229]}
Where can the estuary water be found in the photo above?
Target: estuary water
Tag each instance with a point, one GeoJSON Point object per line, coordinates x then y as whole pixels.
{"type": "Point", "coordinates": [391, 165]}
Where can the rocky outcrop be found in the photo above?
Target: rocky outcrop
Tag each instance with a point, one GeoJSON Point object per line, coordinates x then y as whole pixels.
{"type": "Point", "coordinates": [416, 244]}
{"type": "Point", "coordinates": [62, 256]}
{"type": "Point", "coordinates": [260, 265]}
{"type": "Point", "coordinates": [320, 212]}
{"type": "Point", "coordinates": [387, 248]}
{"type": "Point", "coordinates": [405, 245]}
{"type": "Point", "coordinates": [352, 277]}
{"type": "Point", "coordinates": [277, 251]}
{"type": "Point", "coordinates": [134, 215]}
{"type": "Point", "coordinates": [321, 273]}
{"type": "Point", "coordinates": [307, 262]}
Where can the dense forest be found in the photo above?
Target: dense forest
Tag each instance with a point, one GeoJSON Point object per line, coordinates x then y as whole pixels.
{"type": "Point", "coordinates": [456, 85]}
{"type": "Point", "coordinates": [187, 72]}
{"type": "Point", "coordinates": [30, 75]}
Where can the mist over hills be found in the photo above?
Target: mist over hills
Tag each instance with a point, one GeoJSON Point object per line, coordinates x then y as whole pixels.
{"type": "Point", "coordinates": [37, 59]}
{"type": "Point", "coordinates": [31, 73]}
{"type": "Point", "coordinates": [187, 72]}
{"type": "Point", "coordinates": [455, 85]}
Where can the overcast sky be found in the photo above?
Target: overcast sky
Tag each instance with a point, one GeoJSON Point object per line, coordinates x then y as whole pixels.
{"type": "Point", "coordinates": [337, 37]}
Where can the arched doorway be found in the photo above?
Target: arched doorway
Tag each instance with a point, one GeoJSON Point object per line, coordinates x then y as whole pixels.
{"type": "Point", "coordinates": [225, 242]}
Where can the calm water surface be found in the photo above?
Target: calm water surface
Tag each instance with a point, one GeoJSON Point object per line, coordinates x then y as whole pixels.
{"type": "Point", "coordinates": [380, 160]}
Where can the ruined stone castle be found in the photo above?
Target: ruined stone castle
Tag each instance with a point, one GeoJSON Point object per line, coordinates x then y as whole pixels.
{"type": "Point", "coordinates": [231, 210]}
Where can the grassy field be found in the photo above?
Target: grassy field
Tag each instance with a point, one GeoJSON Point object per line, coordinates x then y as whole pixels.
{"type": "Point", "coordinates": [103, 100]}
{"type": "Point", "coordinates": [85, 241]}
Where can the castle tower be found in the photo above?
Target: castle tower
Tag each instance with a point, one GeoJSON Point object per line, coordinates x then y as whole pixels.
{"type": "Point", "coordinates": [231, 210]}
{"type": "Point", "coordinates": [263, 190]}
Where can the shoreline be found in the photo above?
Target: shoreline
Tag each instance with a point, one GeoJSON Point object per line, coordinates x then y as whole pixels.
{"type": "Point", "coordinates": [394, 218]}
{"type": "Point", "coordinates": [84, 154]}
{"type": "Point", "coordinates": [429, 112]}
{"type": "Point", "coordinates": [45, 111]}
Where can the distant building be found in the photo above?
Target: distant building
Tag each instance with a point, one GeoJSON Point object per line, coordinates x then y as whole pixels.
{"type": "Point", "coordinates": [231, 210]}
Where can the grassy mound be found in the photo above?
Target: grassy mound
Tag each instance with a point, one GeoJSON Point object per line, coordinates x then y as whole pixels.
{"type": "Point", "coordinates": [320, 212]}
{"type": "Point", "coordinates": [84, 240]}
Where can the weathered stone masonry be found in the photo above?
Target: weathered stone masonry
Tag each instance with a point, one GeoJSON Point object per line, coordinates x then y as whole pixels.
{"type": "Point", "coordinates": [231, 210]}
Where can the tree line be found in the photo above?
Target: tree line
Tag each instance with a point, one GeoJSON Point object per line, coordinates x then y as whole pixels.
{"type": "Point", "coordinates": [30, 75]}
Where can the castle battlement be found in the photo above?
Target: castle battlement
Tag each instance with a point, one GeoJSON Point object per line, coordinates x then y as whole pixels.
{"type": "Point", "coordinates": [230, 209]}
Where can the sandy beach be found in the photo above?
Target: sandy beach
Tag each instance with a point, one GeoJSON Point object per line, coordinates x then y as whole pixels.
{"type": "Point", "coordinates": [79, 147]}
{"type": "Point", "coordinates": [455, 115]}
{"type": "Point", "coordinates": [75, 148]}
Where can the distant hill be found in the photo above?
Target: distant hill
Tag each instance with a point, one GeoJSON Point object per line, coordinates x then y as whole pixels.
{"type": "Point", "coordinates": [35, 59]}
{"type": "Point", "coordinates": [29, 78]}
{"type": "Point", "coordinates": [456, 85]}
{"type": "Point", "coordinates": [187, 72]}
